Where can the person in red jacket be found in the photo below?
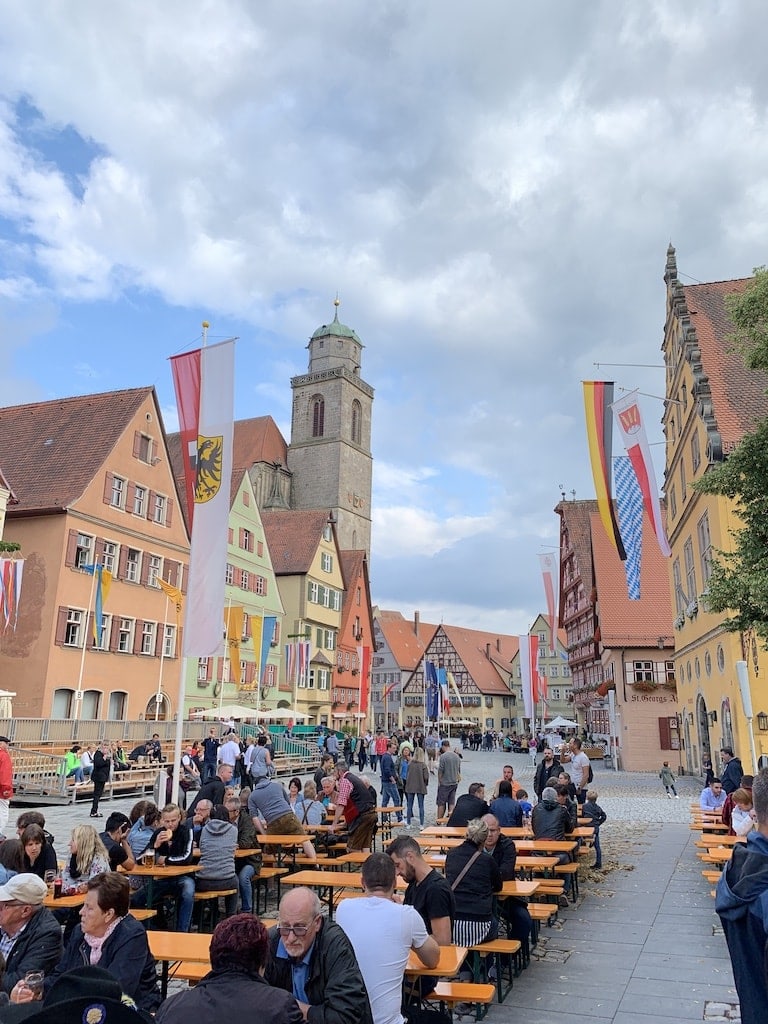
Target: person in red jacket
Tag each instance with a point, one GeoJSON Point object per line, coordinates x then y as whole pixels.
{"type": "Point", "coordinates": [6, 782]}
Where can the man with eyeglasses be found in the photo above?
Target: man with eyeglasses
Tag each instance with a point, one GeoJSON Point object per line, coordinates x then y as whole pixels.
{"type": "Point", "coordinates": [313, 958]}
{"type": "Point", "coordinates": [30, 936]}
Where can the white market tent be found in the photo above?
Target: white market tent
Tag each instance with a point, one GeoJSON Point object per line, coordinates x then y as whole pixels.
{"type": "Point", "coordinates": [561, 723]}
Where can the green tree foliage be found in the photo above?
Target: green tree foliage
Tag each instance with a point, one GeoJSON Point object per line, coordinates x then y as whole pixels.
{"type": "Point", "coordinates": [749, 312]}
{"type": "Point", "coordinates": [739, 581]}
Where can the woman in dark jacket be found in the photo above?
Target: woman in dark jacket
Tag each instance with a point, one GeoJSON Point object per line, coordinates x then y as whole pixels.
{"type": "Point", "coordinates": [39, 856]}
{"type": "Point", "coordinates": [108, 937]}
{"type": "Point", "coordinates": [475, 879]}
{"type": "Point", "coordinates": [239, 951]}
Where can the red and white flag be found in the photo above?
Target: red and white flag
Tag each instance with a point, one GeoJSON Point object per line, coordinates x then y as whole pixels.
{"type": "Point", "coordinates": [204, 381]}
{"type": "Point", "coordinates": [550, 575]}
{"type": "Point", "coordinates": [630, 421]}
{"type": "Point", "coordinates": [529, 660]}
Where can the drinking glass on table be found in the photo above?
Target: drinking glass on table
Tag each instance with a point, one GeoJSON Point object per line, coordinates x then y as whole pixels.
{"type": "Point", "coordinates": [148, 858]}
{"type": "Point", "coordinates": [49, 878]}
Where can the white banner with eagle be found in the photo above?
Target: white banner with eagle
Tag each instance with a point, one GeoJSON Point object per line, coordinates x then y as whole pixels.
{"type": "Point", "coordinates": [204, 381]}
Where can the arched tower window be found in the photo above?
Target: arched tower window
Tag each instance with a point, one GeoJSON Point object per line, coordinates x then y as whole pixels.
{"type": "Point", "coordinates": [318, 416]}
{"type": "Point", "coordinates": [357, 416]}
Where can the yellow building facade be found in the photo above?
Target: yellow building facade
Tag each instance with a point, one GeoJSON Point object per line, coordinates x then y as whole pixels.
{"type": "Point", "coordinates": [711, 402]}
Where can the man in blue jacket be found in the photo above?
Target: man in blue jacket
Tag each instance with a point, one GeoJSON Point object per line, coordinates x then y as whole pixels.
{"type": "Point", "coordinates": [742, 904]}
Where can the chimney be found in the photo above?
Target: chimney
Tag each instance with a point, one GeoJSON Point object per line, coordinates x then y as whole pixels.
{"type": "Point", "coordinates": [416, 623]}
{"type": "Point", "coordinates": [488, 651]}
{"type": "Point", "coordinates": [498, 644]}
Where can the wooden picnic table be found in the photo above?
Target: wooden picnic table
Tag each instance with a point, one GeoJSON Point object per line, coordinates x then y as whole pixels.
{"type": "Point", "coordinates": [709, 841]}
{"type": "Point", "coordinates": [154, 873]}
{"type": "Point", "coordinates": [170, 947]}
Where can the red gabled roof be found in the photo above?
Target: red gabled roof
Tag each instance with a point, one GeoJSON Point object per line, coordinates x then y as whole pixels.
{"type": "Point", "coordinates": [51, 451]}
{"type": "Point", "coordinates": [484, 656]}
{"type": "Point", "coordinates": [293, 538]}
{"type": "Point", "coordinates": [406, 641]}
{"type": "Point", "coordinates": [625, 623]}
{"type": "Point", "coordinates": [738, 394]}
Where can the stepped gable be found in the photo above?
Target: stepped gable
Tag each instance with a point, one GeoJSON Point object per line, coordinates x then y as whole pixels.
{"type": "Point", "coordinates": [738, 393]}
{"type": "Point", "coordinates": [577, 517]}
{"type": "Point", "coordinates": [626, 623]}
{"type": "Point", "coordinates": [52, 450]}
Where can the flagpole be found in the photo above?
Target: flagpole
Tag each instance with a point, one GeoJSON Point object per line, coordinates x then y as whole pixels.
{"type": "Point", "coordinates": [159, 694]}
{"type": "Point", "coordinates": [79, 692]}
{"type": "Point", "coordinates": [225, 666]}
{"type": "Point", "coordinates": [179, 732]}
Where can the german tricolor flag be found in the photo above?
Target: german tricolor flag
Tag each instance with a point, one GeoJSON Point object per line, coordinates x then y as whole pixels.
{"type": "Point", "coordinates": [598, 396]}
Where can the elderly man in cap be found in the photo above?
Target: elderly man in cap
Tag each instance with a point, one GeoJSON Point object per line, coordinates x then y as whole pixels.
{"type": "Point", "coordinates": [6, 782]}
{"type": "Point", "coordinates": [30, 936]}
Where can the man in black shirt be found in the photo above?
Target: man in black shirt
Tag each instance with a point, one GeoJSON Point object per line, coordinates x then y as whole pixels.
{"type": "Point", "coordinates": [115, 839]}
{"type": "Point", "coordinates": [470, 805]}
{"type": "Point", "coordinates": [214, 789]}
{"type": "Point", "coordinates": [427, 892]}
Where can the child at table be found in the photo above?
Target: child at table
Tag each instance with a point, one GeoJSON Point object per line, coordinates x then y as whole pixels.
{"type": "Point", "coordinates": [525, 803]}
{"type": "Point", "coordinates": [743, 818]}
{"type": "Point", "coordinates": [597, 815]}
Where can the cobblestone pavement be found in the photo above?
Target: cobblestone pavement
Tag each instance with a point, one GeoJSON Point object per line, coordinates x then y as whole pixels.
{"type": "Point", "coordinates": [642, 945]}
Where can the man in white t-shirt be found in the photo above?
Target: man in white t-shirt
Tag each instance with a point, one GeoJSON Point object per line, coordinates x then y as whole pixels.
{"type": "Point", "coordinates": [229, 753]}
{"type": "Point", "coordinates": [396, 930]}
{"type": "Point", "coordinates": [576, 763]}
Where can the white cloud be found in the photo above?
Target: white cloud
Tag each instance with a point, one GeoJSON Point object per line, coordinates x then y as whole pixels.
{"type": "Point", "coordinates": [491, 188]}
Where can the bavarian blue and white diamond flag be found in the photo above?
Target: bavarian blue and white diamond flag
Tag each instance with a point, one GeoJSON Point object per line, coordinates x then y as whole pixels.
{"type": "Point", "coordinates": [629, 502]}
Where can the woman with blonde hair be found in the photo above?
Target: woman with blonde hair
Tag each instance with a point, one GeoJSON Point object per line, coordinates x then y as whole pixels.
{"type": "Point", "coordinates": [88, 858]}
{"type": "Point", "coordinates": [474, 879]}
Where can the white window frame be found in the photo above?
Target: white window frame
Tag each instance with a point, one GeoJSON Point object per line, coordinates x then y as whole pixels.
{"type": "Point", "coordinates": [336, 600]}
{"type": "Point", "coordinates": [169, 640]}
{"type": "Point", "coordinates": [110, 555]}
{"type": "Point", "coordinates": [106, 632]}
{"type": "Point", "coordinates": [73, 628]}
{"type": "Point", "coordinates": [160, 510]}
{"type": "Point", "coordinates": [326, 561]}
{"type": "Point", "coordinates": [313, 592]}
{"type": "Point", "coordinates": [202, 670]}
{"type": "Point", "coordinates": [133, 566]}
{"type": "Point", "coordinates": [140, 501]}
{"type": "Point", "coordinates": [117, 499]}
{"type": "Point", "coordinates": [245, 580]}
{"type": "Point", "coordinates": [329, 640]}
{"type": "Point", "coordinates": [125, 631]}
{"type": "Point", "coordinates": [148, 637]}
{"type": "Point", "coordinates": [84, 550]}
{"type": "Point", "coordinates": [260, 586]}
{"type": "Point", "coordinates": [323, 678]}
{"type": "Point", "coordinates": [154, 571]}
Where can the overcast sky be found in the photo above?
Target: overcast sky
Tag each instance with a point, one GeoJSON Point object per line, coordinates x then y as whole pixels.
{"type": "Point", "coordinates": [491, 188]}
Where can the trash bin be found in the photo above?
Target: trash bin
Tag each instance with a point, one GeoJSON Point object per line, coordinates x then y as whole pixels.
{"type": "Point", "coordinates": [607, 761]}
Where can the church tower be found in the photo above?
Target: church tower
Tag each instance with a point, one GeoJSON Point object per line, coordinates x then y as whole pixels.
{"type": "Point", "coordinates": [329, 455]}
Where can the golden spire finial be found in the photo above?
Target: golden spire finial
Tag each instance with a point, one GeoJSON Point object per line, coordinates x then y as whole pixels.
{"type": "Point", "coordinates": [337, 303]}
